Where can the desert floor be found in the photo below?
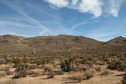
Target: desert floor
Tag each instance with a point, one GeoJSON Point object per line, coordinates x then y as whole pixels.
{"type": "Point", "coordinates": [114, 78]}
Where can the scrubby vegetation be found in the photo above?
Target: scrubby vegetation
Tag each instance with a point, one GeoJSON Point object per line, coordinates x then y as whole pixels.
{"type": "Point", "coordinates": [50, 63]}
{"type": "Point", "coordinates": [83, 67]}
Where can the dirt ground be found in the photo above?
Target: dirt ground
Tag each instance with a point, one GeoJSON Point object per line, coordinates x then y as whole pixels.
{"type": "Point", "coordinates": [113, 78]}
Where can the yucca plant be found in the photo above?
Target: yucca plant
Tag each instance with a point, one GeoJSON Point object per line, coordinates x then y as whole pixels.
{"type": "Point", "coordinates": [67, 64]}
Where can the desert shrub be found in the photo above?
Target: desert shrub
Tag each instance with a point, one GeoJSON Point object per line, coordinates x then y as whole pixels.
{"type": "Point", "coordinates": [78, 76]}
{"type": "Point", "coordinates": [89, 73]}
{"type": "Point", "coordinates": [122, 67]}
{"type": "Point", "coordinates": [48, 67]}
{"type": "Point", "coordinates": [50, 74]}
{"type": "Point", "coordinates": [16, 61]}
{"type": "Point", "coordinates": [114, 65]}
{"type": "Point", "coordinates": [23, 67]}
{"type": "Point", "coordinates": [85, 60]}
{"type": "Point", "coordinates": [118, 65]}
{"type": "Point", "coordinates": [20, 74]}
{"type": "Point", "coordinates": [27, 66]}
{"type": "Point", "coordinates": [124, 79]}
{"type": "Point", "coordinates": [37, 73]}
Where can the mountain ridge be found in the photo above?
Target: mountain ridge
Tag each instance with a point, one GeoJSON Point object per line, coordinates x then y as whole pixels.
{"type": "Point", "coordinates": [59, 43]}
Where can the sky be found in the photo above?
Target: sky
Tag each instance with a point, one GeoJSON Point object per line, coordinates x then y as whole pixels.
{"type": "Point", "coordinates": [98, 19]}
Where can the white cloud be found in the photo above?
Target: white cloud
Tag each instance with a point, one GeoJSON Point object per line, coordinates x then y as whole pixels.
{"type": "Point", "coordinates": [58, 3]}
{"type": "Point", "coordinates": [95, 7]}
{"type": "Point", "coordinates": [74, 2]}
{"type": "Point", "coordinates": [91, 6]}
{"type": "Point", "coordinates": [114, 6]}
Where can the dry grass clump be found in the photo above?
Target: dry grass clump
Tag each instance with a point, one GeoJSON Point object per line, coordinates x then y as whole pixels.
{"type": "Point", "coordinates": [5, 70]}
{"type": "Point", "coordinates": [37, 73]}
{"type": "Point", "coordinates": [106, 72]}
{"type": "Point", "coordinates": [78, 76]}
{"type": "Point", "coordinates": [48, 67]}
{"type": "Point", "coordinates": [4, 67]}
{"type": "Point", "coordinates": [89, 73]}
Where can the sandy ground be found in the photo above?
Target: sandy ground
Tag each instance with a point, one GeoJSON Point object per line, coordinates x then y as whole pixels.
{"type": "Point", "coordinates": [113, 78]}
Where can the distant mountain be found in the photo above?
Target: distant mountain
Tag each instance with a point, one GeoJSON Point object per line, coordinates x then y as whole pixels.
{"type": "Point", "coordinates": [117, 41]}
{"type": "Point", "coordinates": [48, 45]}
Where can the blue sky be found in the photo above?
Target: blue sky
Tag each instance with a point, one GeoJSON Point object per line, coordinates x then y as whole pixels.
{"type": "Point", "coordinates": [98, 19]}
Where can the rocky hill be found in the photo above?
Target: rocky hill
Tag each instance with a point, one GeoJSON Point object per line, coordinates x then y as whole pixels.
{"type": "Point", "coordinates": [48, 45]}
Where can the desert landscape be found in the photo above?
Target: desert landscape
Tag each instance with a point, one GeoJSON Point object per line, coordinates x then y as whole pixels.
{"type": "Point", "coordinates": [62, 41]}
{"type": "Point", "coordinates": [62, 59]}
